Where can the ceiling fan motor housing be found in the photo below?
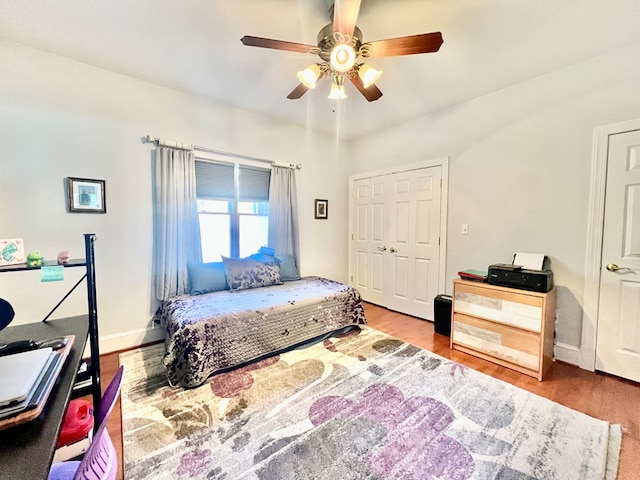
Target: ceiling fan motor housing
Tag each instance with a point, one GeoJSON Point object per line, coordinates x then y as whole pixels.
{"type": "Point", "coordinates": [326, 41]}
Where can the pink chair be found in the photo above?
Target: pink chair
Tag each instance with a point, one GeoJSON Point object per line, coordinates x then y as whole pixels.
{"type": "Point", "coordinates": [100, 461]}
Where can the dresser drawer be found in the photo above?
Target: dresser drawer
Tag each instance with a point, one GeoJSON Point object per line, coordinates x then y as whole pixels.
{"type": "Point", "coordinates": [497, 340]}
{"type": "Point", "coordinates": [518, 310]}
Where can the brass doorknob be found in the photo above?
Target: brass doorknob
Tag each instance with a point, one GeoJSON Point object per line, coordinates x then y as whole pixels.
{"type": "Point", "coordinates": [612, 267]}
{"type": "Point", "coordinates": [392, 250]}
{"type": "Point", "coordinates": [382, 249]}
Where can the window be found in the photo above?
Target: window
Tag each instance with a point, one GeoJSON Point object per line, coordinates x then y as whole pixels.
{"type": "Point", "coordinates": [233, 209]}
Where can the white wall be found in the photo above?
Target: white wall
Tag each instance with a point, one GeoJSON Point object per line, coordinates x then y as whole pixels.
{"type": "Point", "coordinates": [61, 118]}
{"type": "Point", "coordinates": [519, 170]}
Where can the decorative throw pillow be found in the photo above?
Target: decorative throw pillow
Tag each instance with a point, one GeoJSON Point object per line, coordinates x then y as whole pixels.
{"type": "Point", "coordinates": [264, 258]}
{"type": "Point", "coordinates": [267, 251]}
{"type": "Point", "coordinates": [243, 273]}
{"type": "Point", "coordinates": [206, 277]}
{"type": "Point", "coordinates": [288, 269]}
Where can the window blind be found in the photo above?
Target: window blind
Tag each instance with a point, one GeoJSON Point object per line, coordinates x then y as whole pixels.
{"type": "Point", "coordinates": [214, 180]}
{"type": "Point", "coordinates": [217, 181]}
{"type": "Point", "coordinates": [253, 184]}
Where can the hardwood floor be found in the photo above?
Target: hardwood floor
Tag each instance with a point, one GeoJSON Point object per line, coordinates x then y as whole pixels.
{"type": "Point", "coordinates": [596, 394]}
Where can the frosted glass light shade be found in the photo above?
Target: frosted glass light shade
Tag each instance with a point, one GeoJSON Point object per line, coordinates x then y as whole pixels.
{"type": "Point", "coordinates": [309, 76]}
{"type": "Point", "coordinates": [368, 75]}
{"type": "Point", "coordinates": [337, 88]}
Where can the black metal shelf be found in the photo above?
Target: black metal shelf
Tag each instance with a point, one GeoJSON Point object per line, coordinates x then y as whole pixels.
{"type": "Point", "coordinates": [91, 385]}
{"type": "Point", "coordinates": [20, 267]}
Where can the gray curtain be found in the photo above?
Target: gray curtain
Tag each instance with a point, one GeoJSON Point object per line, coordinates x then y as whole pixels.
{"type": "Point", "coordinates": [176, 235]}
{"type": "Point", "coordinates": [283, 212]}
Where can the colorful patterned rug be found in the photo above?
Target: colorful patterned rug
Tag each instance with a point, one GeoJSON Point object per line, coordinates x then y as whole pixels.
{"type": "Point", "coordinates": [362, 406]}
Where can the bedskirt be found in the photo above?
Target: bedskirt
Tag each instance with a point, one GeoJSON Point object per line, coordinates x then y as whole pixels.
{"type": "Point", "coordinates": [213, 332]}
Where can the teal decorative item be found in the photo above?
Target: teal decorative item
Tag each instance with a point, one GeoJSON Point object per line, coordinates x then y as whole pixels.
{"type": "Point", "coordinates": [11, 251]}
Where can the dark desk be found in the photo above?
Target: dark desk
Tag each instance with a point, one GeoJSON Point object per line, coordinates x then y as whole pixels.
{"type": "Point", "coordinates": [26, 450]}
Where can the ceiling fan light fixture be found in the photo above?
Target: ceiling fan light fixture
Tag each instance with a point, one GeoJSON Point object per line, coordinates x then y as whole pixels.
{"type": "Point", "coordinates": [337, 88]}
{"type": "Point", "coordinates": [342, 58]}
{"type": "Point", "coordinates": [368, 75]}
{"type": "Point", "coordinates": [310, 75]}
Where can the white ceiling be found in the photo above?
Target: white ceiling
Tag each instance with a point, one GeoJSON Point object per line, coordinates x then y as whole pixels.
{"type": "Point", "coordinates": [194, 46]}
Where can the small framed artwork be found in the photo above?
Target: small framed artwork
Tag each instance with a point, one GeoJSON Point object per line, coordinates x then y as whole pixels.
{"type": "Point", "coordinates": [86, 195]}
{"type": "Point", "coordinates": [322, 209]}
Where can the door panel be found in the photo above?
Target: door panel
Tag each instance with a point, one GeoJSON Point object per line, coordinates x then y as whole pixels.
{"type": "Point", "coordinates": [631, 245]}
{"type": "Point", "coordinates": [400, 285]}
{"type": "Point", "coordinates": [378, 222]}
{"type": "Point", "coordinates": [402, 221]}
{"type": "Point", "coordinates": [423, 228]}
{"type": "Point", "coordinates": [618, 333]}
{"type": "Point", "coordinates": [377, 277]}
{"type": "Point", "coordinates": [420, 280]}
{"type": "Point", "coordinates": [628, 338]}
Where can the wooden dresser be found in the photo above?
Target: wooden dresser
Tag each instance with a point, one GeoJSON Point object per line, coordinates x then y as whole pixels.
{"type": "Point", "coordinates": [511, 327]}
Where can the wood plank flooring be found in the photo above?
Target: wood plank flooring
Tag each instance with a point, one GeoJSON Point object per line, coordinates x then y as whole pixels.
{"type": "Point", "coordinates": [596, 394]}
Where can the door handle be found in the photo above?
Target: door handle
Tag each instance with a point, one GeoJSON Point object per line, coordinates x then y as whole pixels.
{"type": "Point", "coordinates": [382, 249]}
{"type": "Point", "coordinates": [612, 267]}
{"type": "Point", "coordinates": [392, 250]}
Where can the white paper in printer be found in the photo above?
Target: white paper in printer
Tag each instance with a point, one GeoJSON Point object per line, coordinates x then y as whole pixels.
{"type": "Point", "coordinates": [529, 261]}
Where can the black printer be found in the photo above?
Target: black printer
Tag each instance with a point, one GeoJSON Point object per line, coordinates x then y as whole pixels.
{"type": "Point", "coordinates": [514, 276]}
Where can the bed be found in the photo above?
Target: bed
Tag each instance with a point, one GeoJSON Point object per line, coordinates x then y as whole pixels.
{"type": "Point", "coordinates": [217, 331]}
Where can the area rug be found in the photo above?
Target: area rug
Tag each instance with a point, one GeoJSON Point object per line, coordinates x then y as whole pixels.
{"type": "Point", "coordinates": [361, 406]}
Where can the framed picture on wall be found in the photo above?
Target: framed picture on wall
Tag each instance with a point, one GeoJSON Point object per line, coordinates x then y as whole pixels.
{"type": "Point", "coordinates": [322, 209]}
{"type": "Point", "coordinates": [86, 196]}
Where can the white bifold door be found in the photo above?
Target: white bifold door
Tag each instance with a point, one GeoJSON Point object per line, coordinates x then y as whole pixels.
{"type": "Point", "coordinates": [395, 244]}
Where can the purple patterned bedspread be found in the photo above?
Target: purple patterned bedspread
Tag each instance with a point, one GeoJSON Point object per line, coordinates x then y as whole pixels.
{"type": "Point", "coordinates": [216, 331]}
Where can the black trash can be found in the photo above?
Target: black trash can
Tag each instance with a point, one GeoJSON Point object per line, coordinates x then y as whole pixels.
{"type": "Point", "coordinates": [442, 314]}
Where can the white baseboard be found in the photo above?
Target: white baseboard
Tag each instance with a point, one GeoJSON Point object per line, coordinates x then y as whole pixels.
{"type": "Point", "coordinates": [134, 338]}
{"type": "Point", "coordinates": [567, 353]}
{"type": "Point", "coordinates": [130, 339]}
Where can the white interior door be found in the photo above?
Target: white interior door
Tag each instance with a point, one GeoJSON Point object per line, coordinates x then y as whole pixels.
{"type": "Point", "coordinates": [413, 232]}
{"type": "Point", "coordinates": [396, 239]}
{"type": "Point", "coordinates": [618, 333]}
{"type": "Point", "coordinates": [368, 245]}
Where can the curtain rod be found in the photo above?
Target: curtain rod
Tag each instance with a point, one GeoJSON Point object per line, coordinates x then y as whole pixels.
{"type": "Point", "coordinates": [186, 146]}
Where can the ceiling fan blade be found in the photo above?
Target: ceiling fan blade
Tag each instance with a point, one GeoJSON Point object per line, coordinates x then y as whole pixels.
{"type": "Point", "coordinates": [345, 14]}
{"type": "Point", "coordinates": [371, 93]}
{"type": "Point", "coordinates": [297, 92]}
{"type": "Point", "coordinates": [276, 44]}
{"type": "Point", "coordinates": [409, 45]}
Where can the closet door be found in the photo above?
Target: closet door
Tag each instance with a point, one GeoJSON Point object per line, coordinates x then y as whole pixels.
{"type": "Point", "coordinates": [368, 246]}
{"type": "Point", "coordinates": [412, 205]}
{"type": "Point", "coordinates": [395, 248]}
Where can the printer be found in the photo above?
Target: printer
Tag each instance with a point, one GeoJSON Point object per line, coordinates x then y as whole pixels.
{"type": "Point", "coordinates": [527, 272]}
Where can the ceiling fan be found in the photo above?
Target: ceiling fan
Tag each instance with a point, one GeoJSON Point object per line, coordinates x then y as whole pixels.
{"type": "Point", "coordinates": [339, 47]}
